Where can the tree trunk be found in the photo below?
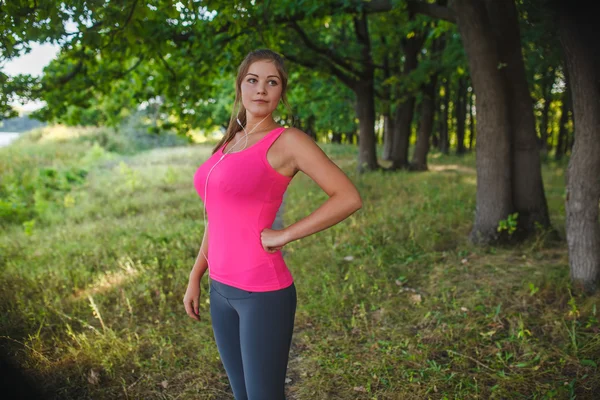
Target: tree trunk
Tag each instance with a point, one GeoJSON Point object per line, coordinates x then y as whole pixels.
{"type": "Point", "coordinates": [388, 134]}
{"type": "Point", "coordinates": [529, 199]}
{"type": "Point", "coordinates": [365, 110]}
{"type": "Point", "coordinates": [494, 194]}
{"type": "Point", "coordinates": [365, 100]}
{"type": "Point", "coordinates": [419, 161]}
{"type": "Point", "coordinates": [461, 115]}
{"type": "Point", "coordinates": [402, 126]}
{"type": "Point", "coordinates": [405, 110]}
{"type": "Point", "coordinates": [310, 127]}
{"type": "Point", "coordinates": [437, 118]}
{"type": "Point", "coordinates": [472, 123]}
{"type": "Point", "coordinates": [444, 143]}
{"type": "Point", "coordinates": [547, 84]}
{"type": "Point", "coordinates": [583, 186]}
{"type": "Point", "coordinates": [562, 127]}
{"type": "Point", "coordinates": [388, 121]}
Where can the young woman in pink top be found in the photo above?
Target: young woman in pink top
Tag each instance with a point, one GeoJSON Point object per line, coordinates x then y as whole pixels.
{"type": "Point", "coordinates": [252, 293]}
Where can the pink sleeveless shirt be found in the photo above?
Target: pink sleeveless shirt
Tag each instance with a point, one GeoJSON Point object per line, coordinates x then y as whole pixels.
{"type": "Point", "coordinates": [243, 195]}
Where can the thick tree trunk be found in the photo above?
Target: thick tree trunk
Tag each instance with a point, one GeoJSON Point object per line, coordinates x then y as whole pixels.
{"type": "Point", "coordinates": [419, 161]}
{"type": "Point", "coordinates": [402, 126]}
{"type": "Point", "coordinates": [365, 110]}
{"type": "Point", "coordinates": [494, 194]}
{"type": "Point", "coordinates": [529, 199]}
{"type": "Point", "coordinates": [583, 186]}
{"type": "Point", "coordinates": [461, 115]}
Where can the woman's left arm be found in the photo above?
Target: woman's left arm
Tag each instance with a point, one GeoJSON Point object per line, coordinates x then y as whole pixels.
{"type": "Point", "coordinates": [343, 200]}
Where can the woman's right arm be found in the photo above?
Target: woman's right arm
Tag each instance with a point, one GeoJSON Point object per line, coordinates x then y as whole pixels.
{"type": "Point", "coordinates": [201, 264]}
{"type": "Point", "coordinates": [191, 299]}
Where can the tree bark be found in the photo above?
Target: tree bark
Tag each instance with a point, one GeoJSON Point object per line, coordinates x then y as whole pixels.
{"type": "Point", "coordinates": [494, 191]}
{"type": "Point", "coordinates": [583, 186]}
{"type": "Point", "coordinates": [529, 199]}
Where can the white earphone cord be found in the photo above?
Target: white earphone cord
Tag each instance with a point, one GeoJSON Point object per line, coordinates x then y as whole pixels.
{"type": "Point", "coordinates": [213, 167]}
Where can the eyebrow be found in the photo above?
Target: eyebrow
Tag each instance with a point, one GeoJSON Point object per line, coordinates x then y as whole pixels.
{"type": "Point", "coordinates": [270, 76]}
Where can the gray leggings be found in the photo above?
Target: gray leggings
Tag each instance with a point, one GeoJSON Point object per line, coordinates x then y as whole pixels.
{"type": "Point", "coordinates": [253, 331]}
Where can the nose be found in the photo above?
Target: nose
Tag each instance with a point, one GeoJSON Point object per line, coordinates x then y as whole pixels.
{"type": "Point", "coordinates": [261, 89]}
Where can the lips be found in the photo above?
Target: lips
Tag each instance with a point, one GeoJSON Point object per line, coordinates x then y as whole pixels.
{"type": "Point", "coordinates": [260, 101]}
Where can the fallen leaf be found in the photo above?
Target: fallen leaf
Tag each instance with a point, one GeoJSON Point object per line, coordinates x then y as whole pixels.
{"type": "Point", "coordinates": [164, 384]}
{"type": "Point", "coordinates": [377, 314]}
{"type": "Point", "coordinates": [348, 258]}
{"type": "Point", "coordinates": [360, 389]}
{"type": "Point", "coordinates": [464, 309]}
{"type": "Point", "coordinates": [288, 380]}
{"type": "Point", "coordinates": [415, 298]}
{"type": "Point", "coordinates": [93, 377]}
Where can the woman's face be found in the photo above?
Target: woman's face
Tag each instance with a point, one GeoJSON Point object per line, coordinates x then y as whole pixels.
{"type": "Point", "coordinates": [261, 88]}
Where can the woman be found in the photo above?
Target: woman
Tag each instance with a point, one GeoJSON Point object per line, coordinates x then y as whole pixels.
{"type": "Point", "coordinates": [252, 293]}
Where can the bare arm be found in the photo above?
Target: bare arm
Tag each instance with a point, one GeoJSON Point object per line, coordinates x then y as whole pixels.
{"type": "Point", "coordinates": [201, 264]}
{"type": "Point", "coordinates": [344, 198]}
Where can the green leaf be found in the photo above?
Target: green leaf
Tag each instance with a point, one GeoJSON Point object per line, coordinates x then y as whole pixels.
{"type": "Point", "coordinates": [589, 363]}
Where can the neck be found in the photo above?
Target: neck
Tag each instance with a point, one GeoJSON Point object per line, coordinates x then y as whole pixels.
{"type": "Point", "coordinates": [256, 124]}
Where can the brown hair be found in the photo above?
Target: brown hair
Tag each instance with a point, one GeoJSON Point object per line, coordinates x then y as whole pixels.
{"type": "Point", "coordinates": [253, 56]}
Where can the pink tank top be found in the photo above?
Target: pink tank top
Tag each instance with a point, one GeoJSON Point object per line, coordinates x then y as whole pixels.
{"type": "Point", "coordinates": [243, 195]}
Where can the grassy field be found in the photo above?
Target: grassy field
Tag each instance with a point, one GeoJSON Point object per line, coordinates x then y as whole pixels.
{"type": "Point", "coordinates": [393, 303]}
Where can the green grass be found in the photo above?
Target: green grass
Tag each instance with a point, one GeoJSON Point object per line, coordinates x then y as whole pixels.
{"type": "Point", "coordinates": [393, 303]}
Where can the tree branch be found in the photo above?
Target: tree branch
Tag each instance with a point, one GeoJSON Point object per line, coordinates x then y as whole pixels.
{"type": "Point", "coordinates": [431, 10]}
{"type": "Point", "coordinates": [343, 77]}
{"type": "Point", "coordinates": [331, 56]}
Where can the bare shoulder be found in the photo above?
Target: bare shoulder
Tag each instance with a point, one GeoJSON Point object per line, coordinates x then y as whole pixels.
{"type": "Point", "coordinates": [302, 151]}
{"type": "Point", "coordinates": [296, 139]}
{"type": "Point", "coordinates": [293, 133]}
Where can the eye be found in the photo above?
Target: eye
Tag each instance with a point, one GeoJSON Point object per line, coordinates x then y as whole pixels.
{"type": "Point", "coordinates": [251, 80]}
{"type": "Point", "coordinates": [273, 82]}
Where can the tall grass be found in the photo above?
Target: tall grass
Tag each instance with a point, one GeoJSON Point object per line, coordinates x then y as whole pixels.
{"type": "Point", "coordinates": [394, 303]}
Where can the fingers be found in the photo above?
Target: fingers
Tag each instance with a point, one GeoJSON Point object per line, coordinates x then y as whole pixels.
{"type": "Point", "coordinates": [192, 310]}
